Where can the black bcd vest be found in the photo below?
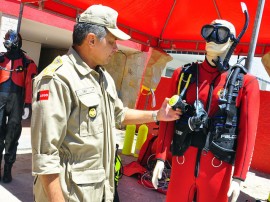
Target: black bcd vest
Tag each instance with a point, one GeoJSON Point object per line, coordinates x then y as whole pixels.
{"type": "Point", "coordinates": [220, 137]}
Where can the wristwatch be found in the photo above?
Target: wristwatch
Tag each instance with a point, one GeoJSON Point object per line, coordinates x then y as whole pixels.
{"type": "Point", "coordinates": [154, 115]}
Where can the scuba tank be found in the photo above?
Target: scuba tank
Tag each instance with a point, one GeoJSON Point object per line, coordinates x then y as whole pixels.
{"type": "Point", "coordinates": [222, 137]}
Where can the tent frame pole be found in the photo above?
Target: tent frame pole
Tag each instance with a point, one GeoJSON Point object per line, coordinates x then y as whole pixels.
{"type": "Point", "coordinates": [255, 32]}
{"type": "Point", "coordinates": [20, 17]}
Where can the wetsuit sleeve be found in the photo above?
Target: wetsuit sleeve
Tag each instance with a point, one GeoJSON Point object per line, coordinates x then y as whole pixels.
{"type": "Point", "coordinates": [30, 73]}
{"type": "Point", "coordinates": [51, 108]}
{"type": "Point", "coordinates": [166, 129]}
{"type": "Point", "coordinates": [249, 114]}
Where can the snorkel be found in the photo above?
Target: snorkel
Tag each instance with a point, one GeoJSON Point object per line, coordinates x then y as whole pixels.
{"type": "Point", "coordinates": [222, 66]}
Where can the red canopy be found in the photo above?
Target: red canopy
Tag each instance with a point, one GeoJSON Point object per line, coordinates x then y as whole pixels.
{"type": "Point", "coordinates": [173, 24]}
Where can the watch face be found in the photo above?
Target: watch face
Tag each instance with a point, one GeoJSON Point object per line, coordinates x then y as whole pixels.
{"type": "Point", "coordinates": [173, 100]}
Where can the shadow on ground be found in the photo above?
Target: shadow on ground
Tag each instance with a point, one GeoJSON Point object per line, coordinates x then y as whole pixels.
{"type": "Point", "coordinates": [22, 184]}
{"type": "Point", "coordinates": [20, 189]}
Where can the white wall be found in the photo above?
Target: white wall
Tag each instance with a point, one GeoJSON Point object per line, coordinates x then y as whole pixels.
{"type": "Point", "coordinates": [32, 49]}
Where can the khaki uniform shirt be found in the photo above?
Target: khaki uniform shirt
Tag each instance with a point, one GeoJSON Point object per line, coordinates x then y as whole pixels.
{"type": "Point", "coordinates": [75, 110]}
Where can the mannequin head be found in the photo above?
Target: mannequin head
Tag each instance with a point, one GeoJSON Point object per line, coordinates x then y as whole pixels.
{"type": "Point", "coordinates": [13, 41]}
{"type": "Point", "coordinates": [220, 38]}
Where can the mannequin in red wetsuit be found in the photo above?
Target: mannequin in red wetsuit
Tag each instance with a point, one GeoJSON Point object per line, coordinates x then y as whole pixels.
{"type": "Point", "coordinates": [199, 176]}
{"type": "Point", "coordinates": [16, 73]}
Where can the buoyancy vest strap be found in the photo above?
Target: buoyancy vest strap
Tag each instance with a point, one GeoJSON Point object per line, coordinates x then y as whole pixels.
{"type": "Point", "coordinates": [199, 152]}
{"type": "Point", "coordinates": [179, 83]}
{"type": "Point", "coordinates": [197, 164]}
{"type": "Point", "coordinates": [25, 63]}
{"type": "Point", "coordinates": [18, 69]}
{"type": "Point", "coordinates": [186, 86]}
{"type": "Point", "coordinates": [234, 85]}
{"type": "Point", "coordinates": [209, 101]}
{"type": "Point", "coordinates": [185, 77]}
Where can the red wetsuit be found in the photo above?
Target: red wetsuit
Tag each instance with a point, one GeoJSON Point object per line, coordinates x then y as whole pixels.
{"type": "Point", "coordinates": [213, 181]}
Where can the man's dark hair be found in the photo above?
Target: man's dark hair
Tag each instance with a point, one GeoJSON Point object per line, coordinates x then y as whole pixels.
{"type": "Point", "coordinates": [82, 29]}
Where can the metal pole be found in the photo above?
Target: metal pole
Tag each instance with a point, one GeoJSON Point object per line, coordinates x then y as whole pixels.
{"type": "Point", "coordinates": [257, 24]}
{"type": "Point", "coordinates": [20, 17]}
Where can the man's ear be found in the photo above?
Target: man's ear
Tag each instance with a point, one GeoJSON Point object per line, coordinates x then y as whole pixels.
{"type": "Point", "coordinates": [92, 42]}
{"type": "Point", "coordinates": [91, 39]}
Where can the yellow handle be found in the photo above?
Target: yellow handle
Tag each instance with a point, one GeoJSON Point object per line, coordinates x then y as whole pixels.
{"type": "Point", "coordinates": [128, 140]}
{"type": "Point", "coordinates": [142, 135]}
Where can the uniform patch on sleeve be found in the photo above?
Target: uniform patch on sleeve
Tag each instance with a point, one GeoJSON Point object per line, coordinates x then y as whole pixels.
{"type": "Point", "coordinates": [43, 95]}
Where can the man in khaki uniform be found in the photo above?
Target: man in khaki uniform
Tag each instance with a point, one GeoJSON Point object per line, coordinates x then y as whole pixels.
{"type": "Point", "coordinates": [266, 62]}
{"type": "Point", "coordinates": [75, 111]}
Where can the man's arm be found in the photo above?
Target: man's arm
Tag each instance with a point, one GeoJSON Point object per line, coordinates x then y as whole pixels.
{"type": "Point", "coordinates": [165, 113]}
{"type": "Point", "coordinates": [51, 185]}
{"type": "Point", "coordinates": [48, 129]}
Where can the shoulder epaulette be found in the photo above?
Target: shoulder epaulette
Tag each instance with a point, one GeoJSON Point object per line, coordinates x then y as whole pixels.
{"type": "Point", "coordinates": [49, 70]}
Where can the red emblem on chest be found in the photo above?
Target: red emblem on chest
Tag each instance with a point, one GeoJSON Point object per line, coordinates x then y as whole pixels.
{"type": "Point", "coordinates": [43, 95]}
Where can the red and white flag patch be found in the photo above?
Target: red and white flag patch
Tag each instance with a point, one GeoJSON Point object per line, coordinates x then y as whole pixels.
{"type": "Point", "coordinates": [43, 95]}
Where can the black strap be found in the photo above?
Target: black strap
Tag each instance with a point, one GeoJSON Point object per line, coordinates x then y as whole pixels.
{"type": "Point", "coordinates": [197, 164]}
{"type": "Point", "coordinates": [209, 101]}
{"type": "Point", "coordinates": [187, 69]}
{"type": "Point", "coordinates": [25, 61]}
{"type": "Point", "coordinates": [234, 86]}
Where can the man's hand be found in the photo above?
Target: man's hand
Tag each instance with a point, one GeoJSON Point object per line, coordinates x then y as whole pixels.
{"type": "Point", "coordinates": [157, 173]}
{"type": "Point", "coordinates": [234, 190]}
{"type": "Point", "coordinates": [166, 113]}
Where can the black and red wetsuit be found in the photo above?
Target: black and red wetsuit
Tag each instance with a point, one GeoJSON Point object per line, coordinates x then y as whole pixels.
{"type": "Point", "coordinates": [16, 73]}
{"type": "Point", "coordinates": [213, 180]}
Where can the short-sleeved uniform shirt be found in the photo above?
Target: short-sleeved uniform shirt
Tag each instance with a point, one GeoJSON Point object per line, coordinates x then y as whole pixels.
{"type": "Point", "coordinates": [75, 111]}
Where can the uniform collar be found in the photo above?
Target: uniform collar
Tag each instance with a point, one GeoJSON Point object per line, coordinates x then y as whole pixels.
{"type": "Point", "coordinates": [79, 64]}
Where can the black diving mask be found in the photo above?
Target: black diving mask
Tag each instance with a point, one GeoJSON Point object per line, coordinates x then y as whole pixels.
{"type": "Point", "coordinates": [11, 40]}
{"type": "Point", "coordinates": [216, 33]}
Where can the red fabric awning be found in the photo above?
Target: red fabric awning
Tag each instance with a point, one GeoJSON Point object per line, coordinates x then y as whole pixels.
{"type": "Point", "coordinates": [172, 24]}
